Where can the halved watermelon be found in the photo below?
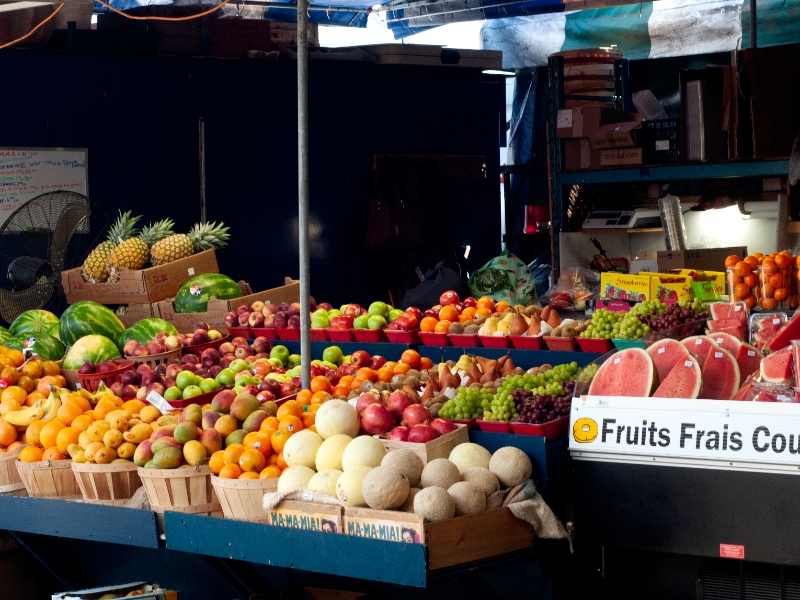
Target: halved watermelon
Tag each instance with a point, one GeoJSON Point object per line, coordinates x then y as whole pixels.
{"type": "Point", "coordinates": [629, 372]}
{"type": "Point", "coordinates": [33, 322]}
{"type": "Point", "coordinates": [749, 360]}
{"type": "Point", "coordinates": [193, 296]}
{"type": "Point", "coordinates": [731, 343]}
{"type": "Point", "coordinates": [778, 366]}
{"type": "Point", "coordinates": [91, 348]}
{"type": "Point", "coordinates": [89, 318]}
{"type": "Point", "coordinates": [698, 346]}
{"type": "Point", "coordinates": [684, 381]}
{"type": "Point", "coordinates": [721, 376]}
{"type": "Point", "coordinates": [145, 331]}
{"type": "Point", "coordinates": [666, 354]}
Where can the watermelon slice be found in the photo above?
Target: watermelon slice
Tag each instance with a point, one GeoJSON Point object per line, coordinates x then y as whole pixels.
{"type": "Point", "coordinates": [736, 328]}
{"type": "Point", "coordinates": [731, 343]}
{"type": "Point", "coordinates": [629, 372]}
{"type": "Point", "coordinates": [777, 367]}
{"type": "Point", "coordinates": [749, 360]}
{"type": "Point", "coordinates": [773, 322]}
{"type": "Point", "coordinates": [721, 376]}
{"type": "Point", "coordinates": [726, 310]}
{"type": "Point", "coordinates": [790, 331]}
{"type": "Point", "coordinates": [666, 354]}
{"type": "Point", "coordinates": [765, 336]}
{"type": "Point", "coordinates": [684, 381]}
{"type": "Point", "coordinates": [698, 346]}
{"type": "Point", "coordinates": [747, 386]}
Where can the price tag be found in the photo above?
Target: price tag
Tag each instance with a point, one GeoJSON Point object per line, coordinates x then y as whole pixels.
{"type": "Point", "coordinates": [159, 402]}
{"type": "Point", "coordinates": [190, 270]}
{"type": "Point", "coordinates": [616, 361]}
{"type": "Point", "coordinates": [717, 354]}
{"type": "Point", "coordinates": [661, 350]}
{"type": "Point", "coordinates": [751, 353]}
{"type": "Point", "coordinates": [688, 363]}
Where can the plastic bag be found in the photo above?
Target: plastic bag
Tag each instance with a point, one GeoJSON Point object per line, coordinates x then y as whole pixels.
{"type": "Point", "coordinates": [505, 277]}
{"type": "Point", "coordinates": [574, 287]}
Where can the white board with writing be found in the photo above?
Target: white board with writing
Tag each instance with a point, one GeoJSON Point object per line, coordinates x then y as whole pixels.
{"type": "Point", "coordinates": [28, 172]}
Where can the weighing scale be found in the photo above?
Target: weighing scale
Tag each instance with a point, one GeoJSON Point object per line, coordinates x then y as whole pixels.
{"type": "Point", "coordinates": [639, 218]}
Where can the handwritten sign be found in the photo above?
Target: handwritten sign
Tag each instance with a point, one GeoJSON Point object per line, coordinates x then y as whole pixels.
{"type": "Point", "coordinates": [27, 173]}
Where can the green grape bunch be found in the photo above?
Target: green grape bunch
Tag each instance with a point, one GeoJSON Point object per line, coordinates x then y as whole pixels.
{"type": "Point", "coordinates": [503, 406]}
{"type": "Point", "coordinates": [468, 403]}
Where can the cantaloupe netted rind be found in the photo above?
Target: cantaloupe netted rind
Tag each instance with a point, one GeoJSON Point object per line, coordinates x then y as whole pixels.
{"type": "Point", "coordinates": [409, 463]}
{"type": "Point", "coordinates": [483, 478]}
{"type": "Point", "coordinates": [469, 498]}
{"type": "Point", "coordinates": [440, 472]}
{"type": "Point", "coordinates": [511, 466]}
{"type": "Point", "coordinates": [435, 504]}
{"type": "Point", "coordinates": [385, 488]}
{"type": "Point", "coordinates": [408, 505]}
{"type": "Point", "coordinates": [470, 455]}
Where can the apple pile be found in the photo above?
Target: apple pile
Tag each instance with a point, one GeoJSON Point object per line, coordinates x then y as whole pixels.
{"type": "Point", "coordinates": [401, 415]}
{"type": "Point", "coordinates": [271, 316]}
{"type": "Point", "coordinates": [162, 342]}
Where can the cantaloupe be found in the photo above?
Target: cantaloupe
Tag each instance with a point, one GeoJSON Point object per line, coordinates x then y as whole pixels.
{"type": "Point", "coordinates": [325, 481]}
{"type": "Point", "coordinates": [511, 466]}
{"type": "Point", "coordinates": [294, 477]}
{"type": "Point", "coordinates": [483, 478]}
{"type": "Point", "coordinates": [469, 498]}
{"type": "Point", "coordinates": [440, 472]}
{"type": "Point", "coordinates": [348, 486]}
{"type": "Point", "coordinates": [336, 416]}
{"type": "Point", "coordinates": [363, 451]}
{"type": "Point", "coordinates": [329, 454]}
{"type": "Point", "coordinates": [408, 505]}
{"type": "Point", "coordinates": [301, 449]}
{"type": "Point", "coordinates": [385, 488]}
{"type": "Point", "coordinates": [409, 463]}
{"type": "Point", "coordinates": [470, 455]}
{"type": "Point", "coordinates": [435, 504]}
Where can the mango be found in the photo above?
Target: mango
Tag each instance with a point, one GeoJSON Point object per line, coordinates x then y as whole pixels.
{"type": "Point", "coordinates": [164, 442]}
{"type": "Point", "coordinates": [253, 421]}
{"type": "Point", "coordinates": [97, 430]}
{"type": "Point", "coordinates": [167, 420]}
{"type": "Point", "coordinates": [73, 449]}
{"type": "Point", "coordinates": [270, 407]}
{"type": "Point", "coordinates": [105, 455]}
{"type": "Point", "coordinates": [143, 453]}
{"type": "Point", "coordinates": [138, 434]}
{"type": "Point", "coordinates": [91, 449]}
{"type": "Point", "coordinates": [120, 460]}
{"type": "Point", "coordinates": [80, 457]}
{"type": "Point", "coordinates": [126, 450]}
{"type": "Point", "coordinates": [168, 458]}
{"type": "Point", "coordinates": [163, 431]}
{"type": "Point", "coordinates": [186, 431]}
{"type": "Point", "coordinates": [113, 438]}
{"type": "Point", "coordinates": [114, 414]}
{"type": "Point", "coordinates": [149, 464]}
{"type": "Point", "coordinates": [194, 452]}
{"type": "Point", "coordinates": [149, 414]}
{"type": "Point", "coordinates": [192, 413]}
{"type": "Point", "coordinates": [211, 440]}
{"type": "Point", "coordinates": [223, 400]}
{"type": "Point", "coordinates": [226, 425]}
{"type": "Point", "coordinates": [237, 437]}
{"type": "Point", "coordinates": [210, 418]}
{"type": "Point", "coordinates": [243, 406]}
{"type": "Point", "coordinates": [84, 439]}
{"type": "Point", "coordinates": [134, 421]}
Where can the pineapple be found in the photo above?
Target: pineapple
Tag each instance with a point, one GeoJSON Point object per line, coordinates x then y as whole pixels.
{"type": "Point", "coordinates": [94, 268]}
{"type": "Point", "coordinates": [133, 253]}
{"type": "Point", "coordinates": [202, 237]}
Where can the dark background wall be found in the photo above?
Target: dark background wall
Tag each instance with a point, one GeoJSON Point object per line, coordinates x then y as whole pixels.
{"type": "Point", "coordinates": [138, 116]}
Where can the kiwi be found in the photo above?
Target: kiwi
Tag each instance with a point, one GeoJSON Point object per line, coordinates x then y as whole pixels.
{"type": "Point", "coordinates": [520, 308]}
{"type": "Point", "coordinates": [455, 329]}
{"type": "Point", "coordinates": [434, 408]}
{"type": "Point", "coordinates": [353, 394]}
{"type": "Point", "coordinates": [497, 315]}
{"type": "Point", "coordinates": [569, 332]}
{"type": "Point", "coordinates": [545, 367]}
{"type": "Point", "coordinates": [366, 386]}
{"type": "Point", "coordinates": [428, 403]}
{"type": "Point", "coordinates": [412, 381]}
{"type": "Point", "coordinates": [451, 364]}
{"type": "Point", "coordinates": [487, 385]}
{"type": "Point", "coordinates": [423, 376]}
{"type": "Point", "coordinates": [468, 323]}
{"type": "Point", "coordinates": [556, 332]}
{"type": "Point", "coordinates": [475, 385]}
{"type": "Point", "coordinates": [413, 373]}
{"type": "Point", "coordinates": [518, 371]}
{"type": "Point", "coordinates": [472, 329]}
{"type": "Point", "coordinates": [534, 370]}
{"type": "Point", "coordinates": [533, 309]}
{"type": "Point", "coordinates": [480, 321]}
{"type": "Point", "coordinates": [381, 386]}
{"type": "Point", "coordinates": [441, 399]}
{"type": "Point", "coordinates": [396, 385]}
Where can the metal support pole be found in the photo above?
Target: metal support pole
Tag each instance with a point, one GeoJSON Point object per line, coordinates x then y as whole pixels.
{"type": "Point", "coordinates": [753, 25]}
{"type": "Point", "coordinates": [202, 160]}
{"type": "Point", "coordinates": [302, 188]}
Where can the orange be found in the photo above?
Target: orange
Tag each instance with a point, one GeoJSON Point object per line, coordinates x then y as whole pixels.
{"type": "Point", "coordinates": [320, 383]}
{"type": "Point", "coordinates": [313, 408]}
{"type": "Point", "coordinates": [401, 369]}
{"type": "Point", "coordinates": [341, 391]}
{"type": "Point", "coordinates": [777, 280]}
{"type": "Point", "coordinates": [367, 374]}
{"type": "Point", "coordinates": [750, 301]}
{"type": "Point", "coordinates": [15, 445]}
{"type": "Point", "coordinates": [751, 280]}
{"type": "Point", "coordinates": [27, 384]}
{"type": "Point", "coordinates": [279, 438]}
{"type": "Point", "coordinates": [33, 431]}
{"type": "Point", "coordinates": [49, 433]}
{"type": "Point", "coordinates": [31, 454]}
{"type": "Point", "coordinates": [33, 398]}
{"type": "Point", "coordinates": [216, 462]}
{"type": "Point", "coordinates": [272, 459]}
{"type": "Point", "coordinates": [103, 407]}
{"type": "Point", "coordinates": [43, 386]}
{"type": "Point", "coordinates": [303, 397]}
{"type": "Point", "coordinates": [290, 407]}
{"type": "Point", "coordinates": [469, 312]}
{"type": "Point", "coordinates": [270, 423]}
{"type": "Point", "coordinates": [313, 428]}
{"type": "Point", "coordinates": [230, 472]}
{"type": "Point", "coordinates": [781, 294]}
{"type": "Point", "coordinates": [53, 453]}
{"type": "Point", "coordinates": [252, 461]}
{"type": "Point", "coordinates": [483, 312]}
{"type": "Point", "coordinates": [425, 363]}
{"type": "Point", "coordinates": [281, 464]}
{"type": "Point", "coordinates": [485, 302]}
{"type": "Point", "coordinates": [268, 431]}
{"type": "Point", "coordinates": [291, 423]}
{"type": "Point", "coordinates": [49, 367]}
{"type": "Point", "coordinates": [133, 406]}
{"type": "Point", "coordinates": [65, 437]}
{"type": "Point", "coordinates": [68, 412]}
{"type": "Point", "coordinates": [767, 291]}
{"type": "Point", "coordinates": [740, 290]}
{"type": "Point", "coordinates": [79, 401]}
{"type": "Point", "coordinates": [385, 375]}
{"type": "Point", "coordinates": [13, 392]}
{"type": "Point", "coordinates": [742, 268]}
{"type": "Point", "coordinates": [768, 303]}
{"type": "Point", "coordinates": [258, 441]}
{"type": "Point", "coordinates": [16, 357]}
{"type": "Point", "coordinates": [8, 433]}
{"type": "Point", "coordinates": [32, 369]}
{"type": "Point", "coordinates": [270, 472]}
{"type": "Point", "coordinates": [794, 301]}
{"type": "Point", "coordinates": [448, 313]}
{"type": "Point", "coordinates": [319, 397]}
{"type": "Point", "coordinates": [82, 423]}
{"type": "Point", "coordinates": [781, 260]}
{"type": "Point", "coordinates": [411, 358]}
{"type": "Point", "coordinates": [308, 419]}
{"type": "Point", "coordinates": [346, 380]}
{"type": "Point", "coordinates": [9, 404]}
{"type": "Point", "coordinates": [442, 327]}
{"type": "Point", "coordinates": [233, 453]}
{"type": "Point", "coordinates": [768, 266]}
{"type": "Point", "coordinates": [501, 306]}
{"type": "Point", "coordinates": [731, 260]}
{"type": "Point", "coordinates": [248, 475]}
{"type": "Point", "coordinates": [427, 324]}
{"type": "Point", "coordinates": [356, 383]}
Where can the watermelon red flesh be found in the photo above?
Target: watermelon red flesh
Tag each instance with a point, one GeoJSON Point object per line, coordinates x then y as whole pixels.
{"type": "Point", "coordinates": [629, 372]}
{"type": "Point", "coordinates": [746, 387]}
{"type": "Point", "coordinates": [720, 375]}
{"type": "Point", "coordinates": [684, 381]}
{"type": "Point", "coordinates": [666, 354]}
{"type": "Point", "coordinates": [777, 367]}
{"type": "Point", "coordinates": [791, 331]}
{"type": "Point", "coordinates": [735, 328]}
{"type": "Point", "coordinates": [749, 360]}
{"type": "Point", "coordinates": [145, 331]}
{"type": "Point", "coordinates": [726, 310]}
{"type": "Point", "coordinates": [765, 336]}
{"type": "Point", "coordinates": [770, 323]}
{"type": "Point", "coordinates": [731, 343]}
{"type": "Point", "coordinates": [698, 346]}
{"type": "Point", "coordinates": [89, 318]}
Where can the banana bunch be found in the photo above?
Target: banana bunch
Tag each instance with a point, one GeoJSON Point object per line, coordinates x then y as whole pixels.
{"type": "Point", "coordinates": [44, 412]}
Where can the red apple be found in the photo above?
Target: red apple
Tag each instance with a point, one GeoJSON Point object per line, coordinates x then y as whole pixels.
{"type": "Point", "coordinates": [210, 357]}
{"type": "Point", "coordinates": [269, 321]}
{"type": "Point", "coordinates": [256, 319]}
{"type": "Point", "coordinates": [261, 345]}
{"type": "Point", "coordinates": [407, 322]}
{"type": "Point", "coordinates": [257, 306]}
{"type": "Point", "coordinates": [469, 302]}
{"type": "Point", "coordinates": [279, 320]}
{"type": "Point", "coordinates": [360, 358]}
{"type": "Point", "coordinates": [293, 322]}
{"type": "Point", "coordinates": [416, 414]}
{"type": "Point", "coordinates": [324, 306]}
{"type": "Point", "coordinates": [342, 322]}
{"type": "Point", "coordinates": [413, 310]}
{"type": "Point", "coordinates": [231, 320]}
{"type": "Point", "coordinates": [189, 359]}
{"type": "Point", "coordinates": [269, 309]}
{"type": "Point", "coordinates": [449, 298]}
{"type": "Point", "coordinates": [239, 341]}
{"type": "Point", "coordinates": [376, 419]}
{"type": "Point", "coordinates": [264, 395]}
{"type": "Point", "coordinates": [353, 311]}
{"type": "Point", "coordinates": [294, 309]}
{"type": "Point", "coordinates": [422, 434]}
{"type": "Point", "coordinates": [227, 348]}
{"type": "Point", "coordinates": [244, 318]}
{"type": "Point", "coordinates": [242, 308]}
{"type": "Point", "coordinates": [430, 313]}
{"type": "Point", "coordinates": [173, 342]}
{"type": "Point", "coordinates": [200, 336]}
{"type": "Point", "coordinates": [288, 388]}
{"type": "Point", "coordinates": [129, 347]}
{"type": "Point", "coordinates": [376, 362]}
{"type": "Point", "coordinates": [243, 352]}
{"type": "Point", "coordinates": [270, 385]}
{"type": "Point", "coordinates": [443, 426]}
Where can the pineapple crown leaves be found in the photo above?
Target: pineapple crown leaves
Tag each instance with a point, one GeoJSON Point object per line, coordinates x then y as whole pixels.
{"type": "Point", "coordinates": [205, 236]}
{"type": "Point", "coordinates": [123, 228]}
{"type": "Point", "coordinates": [157, 231]}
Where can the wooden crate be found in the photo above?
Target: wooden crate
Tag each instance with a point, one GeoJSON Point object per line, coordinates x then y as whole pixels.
{"type": "Point", "coordinates": [10, 482]}
{"type": "Point", "coordinates": [311, 516]}
{"type": "Point", "coordinates": [112, 484]}
{"type": "Point", "coordinates": [185, 489]}
{"type": "Point", "coordinates": [49, 479]}
{"type": "Point", "coordinates": [243, 499]}
{"type": "Point", "coordinates": [438, 448]}
{"type": "Point", "coordinates": [453, 542]}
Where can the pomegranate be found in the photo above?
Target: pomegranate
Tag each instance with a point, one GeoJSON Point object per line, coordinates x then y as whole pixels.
{"type": "Point", "coordinates": [399, 434]}
{"type": "Point", "coordinates": [416, 414]}
{"type": "Point", "coordinates": [365, 400]}
{"type": "Point", "coordinates": [443, 426]}
{"type": "Point", "coordinates": [422, 433]}
{"type": "Point", "coordinates": [376, 419]}
{"type": "Point", "coordinates": [397, 403]}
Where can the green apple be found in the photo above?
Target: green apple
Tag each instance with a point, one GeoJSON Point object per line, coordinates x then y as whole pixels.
{"type": "Point", "coordinates": [185, 379]}
{"type": "Point", "coordinates": [343, 308]}
{"type": "Point", "coordinates": [244, 380]}
{"type": "Point", "coordinates": [280, 352]}
{"type": "Point", "coordinates": [238, 389]}
{"type": "Point", "coordinates": [173, 393]}
{"type": "Point", "coordinates": [330, 365]}
{"type": "Point", "coordinates": [320, 321]}
{"type": "Point", "coordinates": [239, 365]}
{"type": "Point", "coordinates": [225, 377]}
{"type": "Point", "coordinates": [293, 361]}
{"type": "Point", "coordinates": [334, 312]}
{"type": "Point", "coordinates": [378, 308]}
{"type": "Point", "coordinates": [320, 312]}
{"type": "Point", "coordinates": [275, 362]}
{"type": "Point", "coordinates": [393, 314]}
{"type": "Point", "coordinates": [295, 372]}
{"type": "Point", "coordinates": [191, 391]}
{"type": "Point", "coordinates": [332, 354]}
{"type": "Point", "coordinates": [376, 322]}
{"type": "Point", "coordinates": [209, 385]}
{"type": "Point", "coordinates": [361, 322]}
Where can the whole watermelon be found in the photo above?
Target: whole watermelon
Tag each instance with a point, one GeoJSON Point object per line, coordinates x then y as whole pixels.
{"type": "Point", "coordinates": [90, 348]}
{"type": "Point", "coordinates": [16, 342]}
{"type": "Point", "coordinates": [145, 331]}
{"type": "Point", "coordinates": [53, 331]}
{"type": "Point", "coordinates": [194, 295]}
{"type": "Point", "coordinates": [33, 321]}
{"type": "Point", "coordinates": [44, 345]}
{"type": "Point", "coordinates": [5, 334]}
{"type": "Point", "coordinates": [88, 318]}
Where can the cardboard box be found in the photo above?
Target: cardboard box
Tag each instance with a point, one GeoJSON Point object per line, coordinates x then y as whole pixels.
{"type": "Point", "coordinates": [152, 591]}
{"type": "Point", "coordinates": [579, 122]}
{"type": "Point", "coordinates": [649, 266]}
{"type": "Point", "coordinates": [716, 279]}
{"type": "Point", "coordinates": [140, 287]}
{"type": "Point", "coordinates": [579, 156]}
{"type": "Point", "coordinates": [218, 309]}
{"type": "Point", "coordinates": [311, 516]}
{"type": "Point", "coordinates": [670, 287]}
{"type": "Point", "coordinates": [620, 156]}
{"type": "Point", "coordinates": [704, 259]}
{"type": "Point", "coordinates": [623, 286]}
{"type": "Point", "coordinates": [617, 135]}
{"type": "Point", "coordinates": [137, 312]}
{"type": "Point", "coordinates": [438, 448]}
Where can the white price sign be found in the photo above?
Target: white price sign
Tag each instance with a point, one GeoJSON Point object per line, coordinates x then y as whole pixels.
{"type": "Point", "coordinates": [696, 433]}
{"type": "Point", "coordinates": [159, 402]}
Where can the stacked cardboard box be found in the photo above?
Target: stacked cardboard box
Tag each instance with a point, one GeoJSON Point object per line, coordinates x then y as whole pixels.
{"type": "Point", "coordinates": [599, 137]}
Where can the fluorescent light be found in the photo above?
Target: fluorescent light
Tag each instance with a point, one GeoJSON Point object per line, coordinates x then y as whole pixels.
{"type": "Point", "coordinates": [467, 248]}
{"type": "Point", "coordinates": [497, 72]}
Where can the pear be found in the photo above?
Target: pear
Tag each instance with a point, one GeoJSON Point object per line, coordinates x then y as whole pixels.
{"type": "Point", "coordinates": [463, 363]}
{"type": "Point", "coordinates": [518, 325]}
{"type": "Point", "coordinates": [503, 327]}
{"type": "Point", "coordinates": [553, 319]}
{"type": "Point", "coordinates": [535, 328]}
{"type": "Point", "coordinates": [509, 317]}
{"type": "Point", "coordinates": [489, 327]}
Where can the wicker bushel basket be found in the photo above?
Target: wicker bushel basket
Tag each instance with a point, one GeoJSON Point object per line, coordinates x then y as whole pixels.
{"type": "Point", "coordinates": [243, 499]}
{"type": "Point", "coordinates": [49, 479]}
{"type": "Point", "coordinates": [112, 484]}
{"type": "Point", "coordinates": [185, 489]}
{"type": "Point", "coordinates": [10, 481]}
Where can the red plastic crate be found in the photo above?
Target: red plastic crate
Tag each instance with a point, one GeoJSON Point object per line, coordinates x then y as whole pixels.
{"type": "Point", "coordinates": [472, 424]}
{"type": "Point", "coordinates": [244, 332]}
{"type": "Point", "coordinates": [434, 339]}
{"type": "Point", "coordinates": [92, 382]}
{"type": "Point", "coordinates": [340, 335]}
{"type": "Point", "coordinates": [552, 430]}
{"type": "Point", "coordinates": [524, 342]}
{"type": "Point", "coordinates": [267, 332]}
{"type": "Point", "coordinates": [561, 344]}
{"type": "Point", "coordinates": [319, 335]}
{"type": "Point", "coordinates": [288, 334]}
{"type": "Point", "coordinates": [198, 348]}
{"type": "Point", "coordinates": [399, 336]}
{"type": "Point", "coordinates": [464, 340]}
{"type": "Point", "coordinates": [594, 345]}
{"type": "Point", "coordinates": [369, 336]}
{"type": "Point", "coordinates": [201, 400]}
{"type": "Point", "coordinates": [495, 341]}
{"type": "Point", "coordinates": [494, 426]}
